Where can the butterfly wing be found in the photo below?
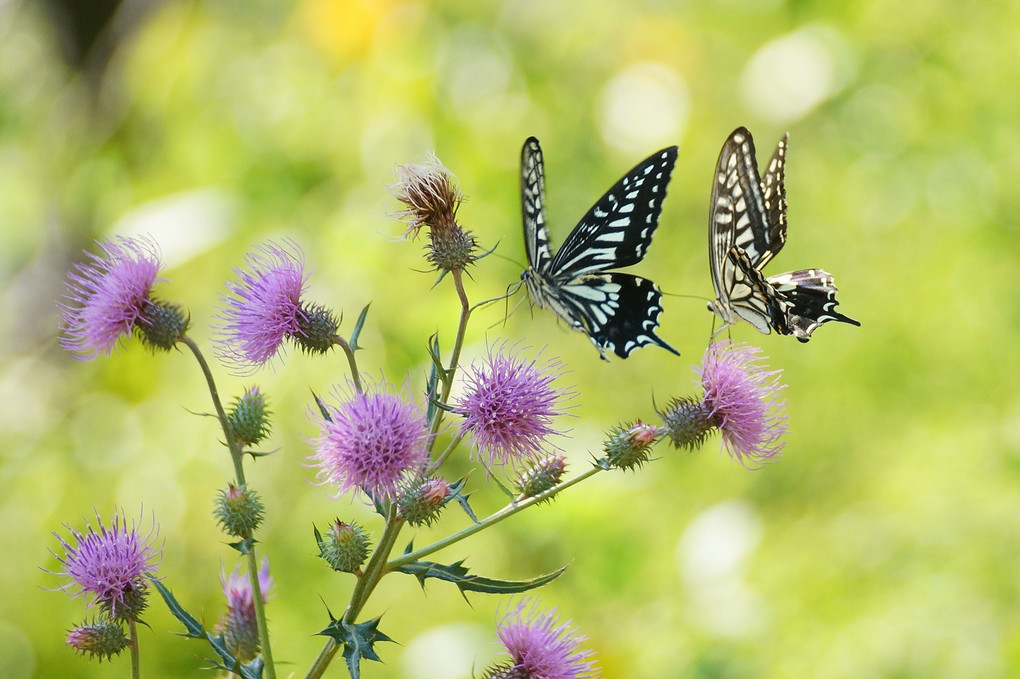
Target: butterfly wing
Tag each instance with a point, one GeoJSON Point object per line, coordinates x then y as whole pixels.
{"type": "Point", "coordinates": [536, 236]}
{"type": "Point", "coordinates": [773, 188]}
{"type": "Point", "coordinates": [618, 229]}
{"type": "Point", "coordinates": [619, 312]}
{"type": "Point", "coordinates": [810, 295]}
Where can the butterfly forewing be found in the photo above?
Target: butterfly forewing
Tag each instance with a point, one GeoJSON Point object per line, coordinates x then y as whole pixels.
{"type": "Point", "coordinates": [619, 312]}
{"type": "Point", "coordinates": [536, 237]}
{"type": "Point", "coordinates": [618, 229]}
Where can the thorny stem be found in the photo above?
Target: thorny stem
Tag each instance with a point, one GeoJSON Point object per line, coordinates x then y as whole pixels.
{"type": "Point", "coordinates": [237, 455]}
{"type": "Point", "coordinates": [352, 361]}
{"type": "Point", "coordinates": [490, 520]}
{"type": "Point", "coordinates": [377, 566]}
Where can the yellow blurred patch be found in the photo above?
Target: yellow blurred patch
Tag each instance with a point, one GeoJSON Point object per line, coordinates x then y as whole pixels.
{"type": "Point", "coordinates": [343, 29]}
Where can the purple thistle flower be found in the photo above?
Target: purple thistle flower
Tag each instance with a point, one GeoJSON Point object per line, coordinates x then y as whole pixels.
{"type": "Point", "coordinates": [107, 295]}
{"type": "Point", "coordinates": [542, 648]}
{"type": "Point", "coordinates": [111, 564]}
{"type": "Point", "coordinates": [508, 406]}
{"type": "Point", "coordinates": [239, 625]}
{"type": "Point", "coordinates": [371, 441]}
{"type": "Point", "coordinates": [741, 399]}
{"type": "Point", "coordinates": [265, 308]}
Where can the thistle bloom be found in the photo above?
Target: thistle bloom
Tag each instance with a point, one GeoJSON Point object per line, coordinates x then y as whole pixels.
{"type": "Point", "coordinates": [741, 400]}
{"type": "Point", "coordinates": [372, 441]}
{"type": "Point", "coordinates": [112, 564]}
{"type": "Point", "coordinates": [239, 625]}
{"type": "Point", "coordinates": [508, 406]}
{"type": "Point", "coordinates": [107, 296]}
{"type": "Point", "coordinates": [432, 198]}
{"type": "Point", "coordinates": [540, 647]}
{"type": "Point", "coordinates": [264, 308]}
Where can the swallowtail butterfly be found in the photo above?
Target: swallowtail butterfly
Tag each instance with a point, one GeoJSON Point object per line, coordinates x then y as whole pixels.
{"type": "Point", "coordinates": [618, 311]}
{"type": "Point", "coordinates": [747, 228]}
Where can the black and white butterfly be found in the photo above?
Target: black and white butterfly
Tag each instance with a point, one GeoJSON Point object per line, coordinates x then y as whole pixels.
{"type": "Point", "coordinates": [747, 228]}
{"type": "Point", "coordinates": [618, 311]}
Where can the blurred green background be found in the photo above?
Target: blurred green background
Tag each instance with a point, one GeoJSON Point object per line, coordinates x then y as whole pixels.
{"type": "Point", "coordinates": [885, 542]}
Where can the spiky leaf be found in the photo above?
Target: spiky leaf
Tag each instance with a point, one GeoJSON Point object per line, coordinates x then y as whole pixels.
{"type": "Point", "coordinates": [466, 582]}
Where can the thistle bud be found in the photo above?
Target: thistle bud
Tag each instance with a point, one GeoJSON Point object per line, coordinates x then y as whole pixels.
{"type": "Point", "coordinates": [687, 421]}
{"type": "Point", "coordinates": [629, 446]}
{"type": "Point", "coordinates": [541, 476]}
{"type": "Point", "coordinates": [239, 511]}
{"type": "Point", "coordinates": [161, 325]}
{"type": "Point", "coordinates": [317, 329]}
{"type": "Point", "coordinates": [421, 504]}
{"type": "Point", "coordinates": [249, 417]}
{"type": "Point", "coordinates": [344, 547]}
{"type": "Point", "coordinates": [102, 638]}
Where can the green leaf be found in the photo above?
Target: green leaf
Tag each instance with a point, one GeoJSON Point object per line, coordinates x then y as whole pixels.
{"type": "Point", "coordinates": [194, 627]}
{"type": "Point", "coordinates": [195, 630]}
{"type": "Point", "coordinates": [456, 493]}
{"type": "Point", "coordinates": [244, 546]}
{"type": "Point", "coordinates": [358, 641]}
{"type": "Point", "coordinates": [459, 575]}
{"type": "Point", "coordinates": [322, 407]}
{"type": "Point", "coordinates": [357, 328]}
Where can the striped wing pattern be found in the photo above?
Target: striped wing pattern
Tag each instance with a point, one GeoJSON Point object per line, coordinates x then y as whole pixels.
{"type": "Point", "coordinates": [619, 312]}
{"type": "Point", "coordinates": [747, 228]}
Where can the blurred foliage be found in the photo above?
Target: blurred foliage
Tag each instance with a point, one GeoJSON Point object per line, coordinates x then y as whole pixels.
{"type": "Point", "coordinates": [882, 545]}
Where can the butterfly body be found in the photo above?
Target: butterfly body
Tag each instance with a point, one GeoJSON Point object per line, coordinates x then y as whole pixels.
{"type": "Point", "coordinates": [617, 311]}
{"type": "Point", "coordinates": [747, 228]}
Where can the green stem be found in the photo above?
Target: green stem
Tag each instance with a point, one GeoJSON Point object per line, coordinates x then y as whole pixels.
{"type": "Point", "coordinates": [490, 520]}
{"type": "Point", "coordinates": [232, 445]}
{"type": "Point", "coordinates": [458, 346]}
{"type": "Point", "coordinates": [374, 572]}
{"type": "Point", "coordinates": [355, 375]}
{"type": "Point", "coordinates": [237, 456]}
{"type": "Point", "coordinates": [136, 664]}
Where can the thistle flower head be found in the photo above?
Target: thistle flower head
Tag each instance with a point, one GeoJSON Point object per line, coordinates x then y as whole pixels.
{"type": "Point", "coordinates": [372, 441]}
{"type": "Point", "coordinates": [742, 400]}
{"type": "Point", "coordinates": [430, 194]}
{"type": "Point", "coordinates": [541, 647]}
{"type": "Point", "coordinates": [111, 564]}
{"type": "Point", "coordinates": [110, 295]}
{"type": "Point", "coordinates": [508, 406]}
{"type": "Point", "coordinates": [264, 307]}
{"type": "Point", "coordinates": [239, 626]}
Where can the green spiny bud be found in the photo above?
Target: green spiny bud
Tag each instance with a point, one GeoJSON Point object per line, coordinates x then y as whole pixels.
{"type": "Point", "coordinates": [161, 325]}
{"type": "Point", "coordinates": [421, 504]}
{"type": "Point", "coordinates": [133, 602]}
{"type": "Point", "coordinates": [317, 328]}
{"type": "Point", "coordinates": [688, 421]}
{"type": "Point", "coordinates": [103, 638]}
{"type": "Point", "coordinates": [239, 511]}
{"type": "Point", "coordinates": [629, 446]}
{"type": "Point", "coordinates": [542, 476]}
{"type": "Point", "coordinates": [249, 417]}
{"type": "Point", "coordinates": [344, 547]}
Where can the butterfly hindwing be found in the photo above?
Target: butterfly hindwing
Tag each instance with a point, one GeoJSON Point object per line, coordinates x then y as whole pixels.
{"type": "Point", "coordinates": [619, 312]}
{"type": "Point", "coordinates": [747, 228]}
